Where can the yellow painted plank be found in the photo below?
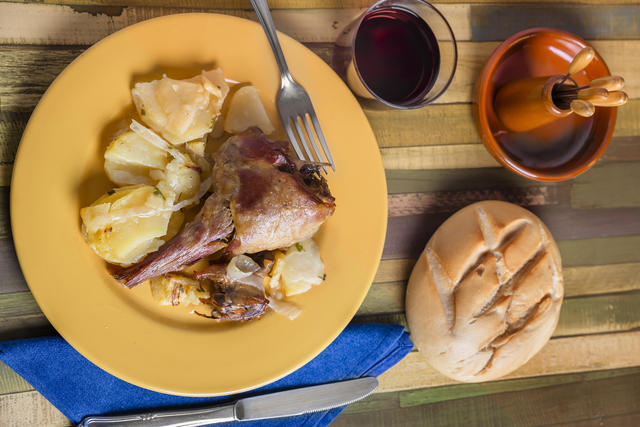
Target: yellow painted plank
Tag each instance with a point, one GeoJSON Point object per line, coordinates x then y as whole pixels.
{"type": "Point", "coordinates": [583, 280]}
{"type": "Point", "coordinates": [392, 270]}
{"type": "Point", "coordinates": [444, 124]}
{"type": "Point", "coordinates": [437, 157]}
{"type": "Point", "coordinates": [558, 356]}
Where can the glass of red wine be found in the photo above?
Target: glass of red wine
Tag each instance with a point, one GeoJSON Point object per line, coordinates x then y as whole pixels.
{"type": "Point", "coordinates": [401, 54]}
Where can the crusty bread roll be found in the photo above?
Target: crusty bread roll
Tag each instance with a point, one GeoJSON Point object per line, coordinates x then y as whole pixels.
{"type": "Point", "coordinates": [485, 294]}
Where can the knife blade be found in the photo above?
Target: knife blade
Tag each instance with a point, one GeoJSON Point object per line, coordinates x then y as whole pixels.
{"type": "Point", "coordinates": [274, 405]}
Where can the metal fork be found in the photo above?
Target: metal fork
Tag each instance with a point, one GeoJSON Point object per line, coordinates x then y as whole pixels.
{"type": "Point", "coordinates": [293, 102]}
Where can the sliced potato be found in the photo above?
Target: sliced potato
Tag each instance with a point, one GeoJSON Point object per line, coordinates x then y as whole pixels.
{"type": "Point", "coordinates": [196, 148]}
{"type": "Point", "coordinates": [181, 110]}
{"type": "Point", "coordinates": [246, 110]}
{"type": "Point", "coordinates": [129, 159]}
{"type": "Point", "coordinates": [180, 181]}
{"type": "Point", "coordinates": [174, 226]}
{"type": "Point", "coordinates": [175, 289]}
{"type": "Point", "coordinates": [302, 268]}
{"type": "Point", "coordinates": [126, 224]}
{"type": "Point", "coordinates": [272, 282]}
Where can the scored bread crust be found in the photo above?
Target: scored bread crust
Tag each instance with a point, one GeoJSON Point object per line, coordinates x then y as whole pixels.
{"type": "Point", "coordinates": [485, 294]}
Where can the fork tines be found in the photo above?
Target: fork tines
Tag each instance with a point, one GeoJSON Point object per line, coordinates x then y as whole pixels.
{"type": "Point", "coordinates": [307, 136]}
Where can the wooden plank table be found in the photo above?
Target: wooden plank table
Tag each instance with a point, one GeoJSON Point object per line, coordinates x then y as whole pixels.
{"type": "Point", "coordinates": [588, 374]}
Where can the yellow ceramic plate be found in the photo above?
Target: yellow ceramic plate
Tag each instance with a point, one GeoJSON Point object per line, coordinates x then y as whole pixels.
{"type": "Point", "coordinates": [59, 169]}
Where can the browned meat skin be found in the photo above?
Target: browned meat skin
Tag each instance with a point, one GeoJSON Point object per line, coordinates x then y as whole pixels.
{"type": "Point", "coordinates": [272, 201]}
{"type": "Point", "coordinates": [215, 272]}
{"type": "Point", "coordinates": [231, 301]}
{"type": "Point", "coordinates": [199, 238]}
{"type": "Point", "coordinates": [236, 302]}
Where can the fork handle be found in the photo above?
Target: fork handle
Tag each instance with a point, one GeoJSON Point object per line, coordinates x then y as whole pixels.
{"type": "Point", "coordinates": [264, 16]}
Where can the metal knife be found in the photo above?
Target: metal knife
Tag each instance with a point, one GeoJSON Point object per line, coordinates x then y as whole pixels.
{"type": "Point", "coordinates": [275, 405]}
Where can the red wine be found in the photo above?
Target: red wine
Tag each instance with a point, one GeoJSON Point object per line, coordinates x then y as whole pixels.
{"type": "Point", "coordinates": [397, 55]}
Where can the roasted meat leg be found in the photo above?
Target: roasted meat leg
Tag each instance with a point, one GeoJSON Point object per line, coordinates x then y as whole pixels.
{"type": "Point", "coordinates": [268, 199]}
{"type": "Point", "coordinates": [201, 237]}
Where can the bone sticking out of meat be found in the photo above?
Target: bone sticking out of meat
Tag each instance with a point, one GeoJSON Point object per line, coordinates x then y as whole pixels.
{"type": "Point", "coordinates": [270, 200]}
{"type": "Point", "coordinates": [201, 237]}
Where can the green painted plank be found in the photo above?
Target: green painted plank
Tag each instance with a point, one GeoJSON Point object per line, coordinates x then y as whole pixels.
{"type": "Point", "coordinates": [607, 187]}
{"type": "Point", "coordinates": [599, 314]}
{"type": "Point", "coordinates": [562, 403]}
{"type": "Point", "coordinates": [461, 391]}
{"type": "Point", "coordinates": [600, 251]}
{"type": "Point", "coordinates": [598, 279]}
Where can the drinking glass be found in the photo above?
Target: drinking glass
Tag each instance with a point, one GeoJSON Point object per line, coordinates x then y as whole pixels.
{"type": "Point", "coordinates": [398, 54]}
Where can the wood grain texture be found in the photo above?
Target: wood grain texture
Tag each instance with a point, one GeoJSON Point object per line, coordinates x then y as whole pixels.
{"type": "Point", "coordinates": [461, 391]}
{"type": "Point", "coordinates": [437, 157]}
{"type": "Point", "coordinates": [607, 250]}
{"type": "Point", "coordinates": [445, 124]}
{"type": "Point", "coordinates": [632, 419]}
{"type": "Point", "coordinates": [579, 401]}
{"type": "Point", "coordinates": [449, 156]}
{"type": "Point", "coordinates": [407, 204]}
{"type": "Point", "coordinates": [558, 356]}
{"type": "Point", "coordinates": [408, 235]}
{"type": "Point", "coordinates": [585, 280]}
{"type": "Point", "coordinates": [10, 382]}
{"type": "Point", "coordinates": [29, 409]}
{"type": "Point", "coordinates": [464, 180]}
{"type": "Point", "coordinates": [578, 316]}
{"type": "Point", "coordinates": [284, 4]}
{"type": "Point", "coordinates": [469, 22]}
{"type": "Point", "coordinates": [22, 80]}
{"type": "Point", "coordinates": [594, 189]}
{"type": "Point", "coordinates": [11, 278]}
{"type": "Point", "coordinates": [50, 24]}
{"type": "Point", "coordinates": [26, 72]}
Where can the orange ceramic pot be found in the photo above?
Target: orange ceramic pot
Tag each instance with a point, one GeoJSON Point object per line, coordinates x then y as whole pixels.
{"type": "Point", "coordinates": [542, 150]}
{"type": "Point", "coordinates": [526, 104]}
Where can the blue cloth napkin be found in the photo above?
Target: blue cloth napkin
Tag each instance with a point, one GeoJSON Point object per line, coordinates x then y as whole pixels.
{"type": "Point", "coordinates": [79, 388]}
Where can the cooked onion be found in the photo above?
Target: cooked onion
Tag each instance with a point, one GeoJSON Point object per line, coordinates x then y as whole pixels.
{"type": "Point", "coordinates": [157, 141]}
{"type": "Point", "coordinates": [252, 280]}
{"type": "Point", "coordinates": [284, 308]}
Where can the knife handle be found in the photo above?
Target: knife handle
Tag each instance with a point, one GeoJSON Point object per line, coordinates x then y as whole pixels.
{"type": "Point", "coordinates": [178, 417]}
